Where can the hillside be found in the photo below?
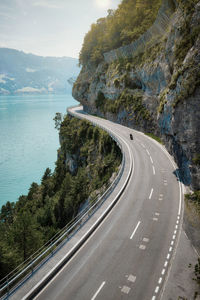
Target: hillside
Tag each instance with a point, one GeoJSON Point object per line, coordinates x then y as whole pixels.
{"type": "Point", "coordinates": [22, 73]}
{"type": "Point", "coordinates": [87, 162]}
{"type": "Point", "coordinates": [152, 83]}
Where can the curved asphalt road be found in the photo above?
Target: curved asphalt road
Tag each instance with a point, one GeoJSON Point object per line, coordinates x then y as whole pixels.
{"type": "Point", "coordinates": [130, 254]}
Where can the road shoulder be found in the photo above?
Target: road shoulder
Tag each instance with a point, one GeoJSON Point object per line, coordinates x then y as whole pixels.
{"type": "Point", "coordinates": [180, 284]}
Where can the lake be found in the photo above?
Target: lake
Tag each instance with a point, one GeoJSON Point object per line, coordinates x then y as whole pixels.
{"type": "Point", "coordinates": [28, 140]}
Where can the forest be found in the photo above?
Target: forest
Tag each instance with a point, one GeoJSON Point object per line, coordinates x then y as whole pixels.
{"type": "Point", "coordinates": [27, 224]}
{"type": "Point", "coordinates": [121, 27]}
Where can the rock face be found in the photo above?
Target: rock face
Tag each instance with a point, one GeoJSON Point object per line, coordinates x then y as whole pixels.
{"type": "Point", "coordinates": [156, 91]}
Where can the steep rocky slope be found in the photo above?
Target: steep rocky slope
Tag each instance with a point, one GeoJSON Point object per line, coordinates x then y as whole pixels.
{"type": "Point", "coordinates": [155, 87]}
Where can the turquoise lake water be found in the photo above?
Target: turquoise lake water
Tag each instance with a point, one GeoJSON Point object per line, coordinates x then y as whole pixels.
{"type": "Point", "coordinates": [28, 140]}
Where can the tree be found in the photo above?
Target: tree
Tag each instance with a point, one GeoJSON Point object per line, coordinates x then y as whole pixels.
{"type": "Point", "coordinates": [58, 120]}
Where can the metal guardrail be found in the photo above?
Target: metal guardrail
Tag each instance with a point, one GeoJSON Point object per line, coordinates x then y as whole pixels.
{"type": "Point", "coordinates": [25, 270]}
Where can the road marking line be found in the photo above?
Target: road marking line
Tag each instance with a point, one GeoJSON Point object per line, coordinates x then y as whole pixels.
{"type": "Point", "coordinates": [170, 249]}
{"type": "Point", "coordinates": [160, 199]}
{"type": "Point", "coordinates": [154, 172]}
{"type": "Point", "coordinates": [160, 280]}
{"type": "Point", "coordinates": [148, 152]}
{"type": "Point", "coordinates": [155, 219]}
{"type": "Point", "coordinates": [142, 247]}
{"type": "Point", "coordinates": [178, 217]}
{"type": "Point", "coordinates": [175, 231]}
{"type": "Point", "coordinates": [151, 193]}
{"type": "Point", "coordinates": [131, 278]}
{"type": "Point", "coordinates": [157, 289]}
{"type": "Point", "coordinates": [166, 263]}
{"type": "Point", "coordinates": [146, 240]}
{"type": "Point", "coordinates": [132, 235]}
{"type": "Point", "coordinates": [157, 214]}
{"type": "Point", "coordinates": [174, 236]}
{"type": "Point", "coordinates": [153, 298]}
{"type": "Point", "coordinates": [143, 145]}
{"type": "Point", "coordinates": [172, 243]}
{"type": "Point", "coordinates": [161, 195]}
{"type": "Point", "coordinates": [176, 226]}
{"type": "Point", "coordinates": [125, 289]}
{"type": "Point", "coordinates": [163, 272]}
{"type": "Point", "coordinates": [99, 289]}
{"type": "Point", "coordinates": [177, 222]}
{"type": "Point", "coordinates": [151, 159]}
{"type": "Point", "coordinates": [168, 256]}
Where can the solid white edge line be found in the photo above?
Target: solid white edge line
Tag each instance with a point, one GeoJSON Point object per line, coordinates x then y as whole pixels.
{"type": "Point", "coordinates": [132, 235]}
{"type": "Point", "coordinates": [99, 289]}
{"type": "Point", "coordinates": [154, 172]}
{"type": "Point", "coordinates": [151, 193]}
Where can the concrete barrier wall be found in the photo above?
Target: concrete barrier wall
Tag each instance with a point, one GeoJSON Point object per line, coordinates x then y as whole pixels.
{"type": "Point", "coordinates": [157, 29]}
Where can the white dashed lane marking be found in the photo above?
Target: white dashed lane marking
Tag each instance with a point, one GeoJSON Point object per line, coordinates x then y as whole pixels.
{"type": "Point", "coordinates": [146, 240]}
{"type": "Point", "coordinates": [134, 231]}
{"type": "Point", "coordinates": [131, 278]}
{"type": "Point", "coordinates": [125, 289]}
{"type": "Point", "coordinates": [98, 291]}
{"type": "Point", "coordinates": [160, 280]}
{"type": "Point", "coordinates": [151, 193]}
{"type": "Point", "coordinates": [154, 172]}
{"type": "Point", "coordinates": [142, 247]}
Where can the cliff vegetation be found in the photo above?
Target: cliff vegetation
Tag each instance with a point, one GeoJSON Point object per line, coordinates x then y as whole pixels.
{"type": "Point", "coordinates": [86, 161]}
{"type": "Point", "coordinates": [151, 84]}
{"type": "Point", "coordinates": [120, 27]}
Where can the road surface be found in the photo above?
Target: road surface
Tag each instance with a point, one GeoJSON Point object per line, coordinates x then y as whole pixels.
{"type": "Point", "coordinates": [129, 256]}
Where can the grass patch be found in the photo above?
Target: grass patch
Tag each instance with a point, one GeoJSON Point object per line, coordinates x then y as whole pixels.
{"type": "Point", "coordinates": [154, 137]}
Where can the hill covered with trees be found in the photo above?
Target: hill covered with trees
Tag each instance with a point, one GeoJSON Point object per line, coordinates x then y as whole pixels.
{"type": "Point", "coordinates": [22, 73]}
{"type": "Point", "coordinates": [120, 27]}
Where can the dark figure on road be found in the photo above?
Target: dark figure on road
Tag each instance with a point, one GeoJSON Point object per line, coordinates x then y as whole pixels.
{"type": "Point", "coordinates": [131, 136]}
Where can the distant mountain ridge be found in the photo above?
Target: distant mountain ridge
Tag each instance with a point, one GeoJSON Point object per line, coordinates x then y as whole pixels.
{"type": "Point", "coordinates": [22, 73]}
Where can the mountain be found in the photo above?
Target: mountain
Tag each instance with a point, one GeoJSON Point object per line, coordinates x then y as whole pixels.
{"type": "Point", "coordinates": [151, 81]}
{"type": "Point", "coordinates": [22, 73]}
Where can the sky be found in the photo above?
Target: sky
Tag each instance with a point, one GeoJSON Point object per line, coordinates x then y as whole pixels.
{"type": "Point", "coordinates": [49, 27]}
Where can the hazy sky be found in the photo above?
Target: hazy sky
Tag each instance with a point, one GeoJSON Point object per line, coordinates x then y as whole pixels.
{"type": "Point", "coordinates": [49, 27]}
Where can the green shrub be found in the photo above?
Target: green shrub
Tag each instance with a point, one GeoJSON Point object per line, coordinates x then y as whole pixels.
{"type": "Point", "coordinates": [196, 159]}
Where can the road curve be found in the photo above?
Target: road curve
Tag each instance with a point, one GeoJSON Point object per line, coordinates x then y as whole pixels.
{"type": "Point", "coordinates": [129, 256]}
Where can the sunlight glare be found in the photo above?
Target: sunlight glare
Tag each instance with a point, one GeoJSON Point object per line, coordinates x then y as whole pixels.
{"type": "Point", "coordinates": [103, 3]}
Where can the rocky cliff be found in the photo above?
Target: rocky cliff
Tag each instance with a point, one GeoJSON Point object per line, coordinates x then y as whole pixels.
{"type": "Point", "coordinates": [155, 89]}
